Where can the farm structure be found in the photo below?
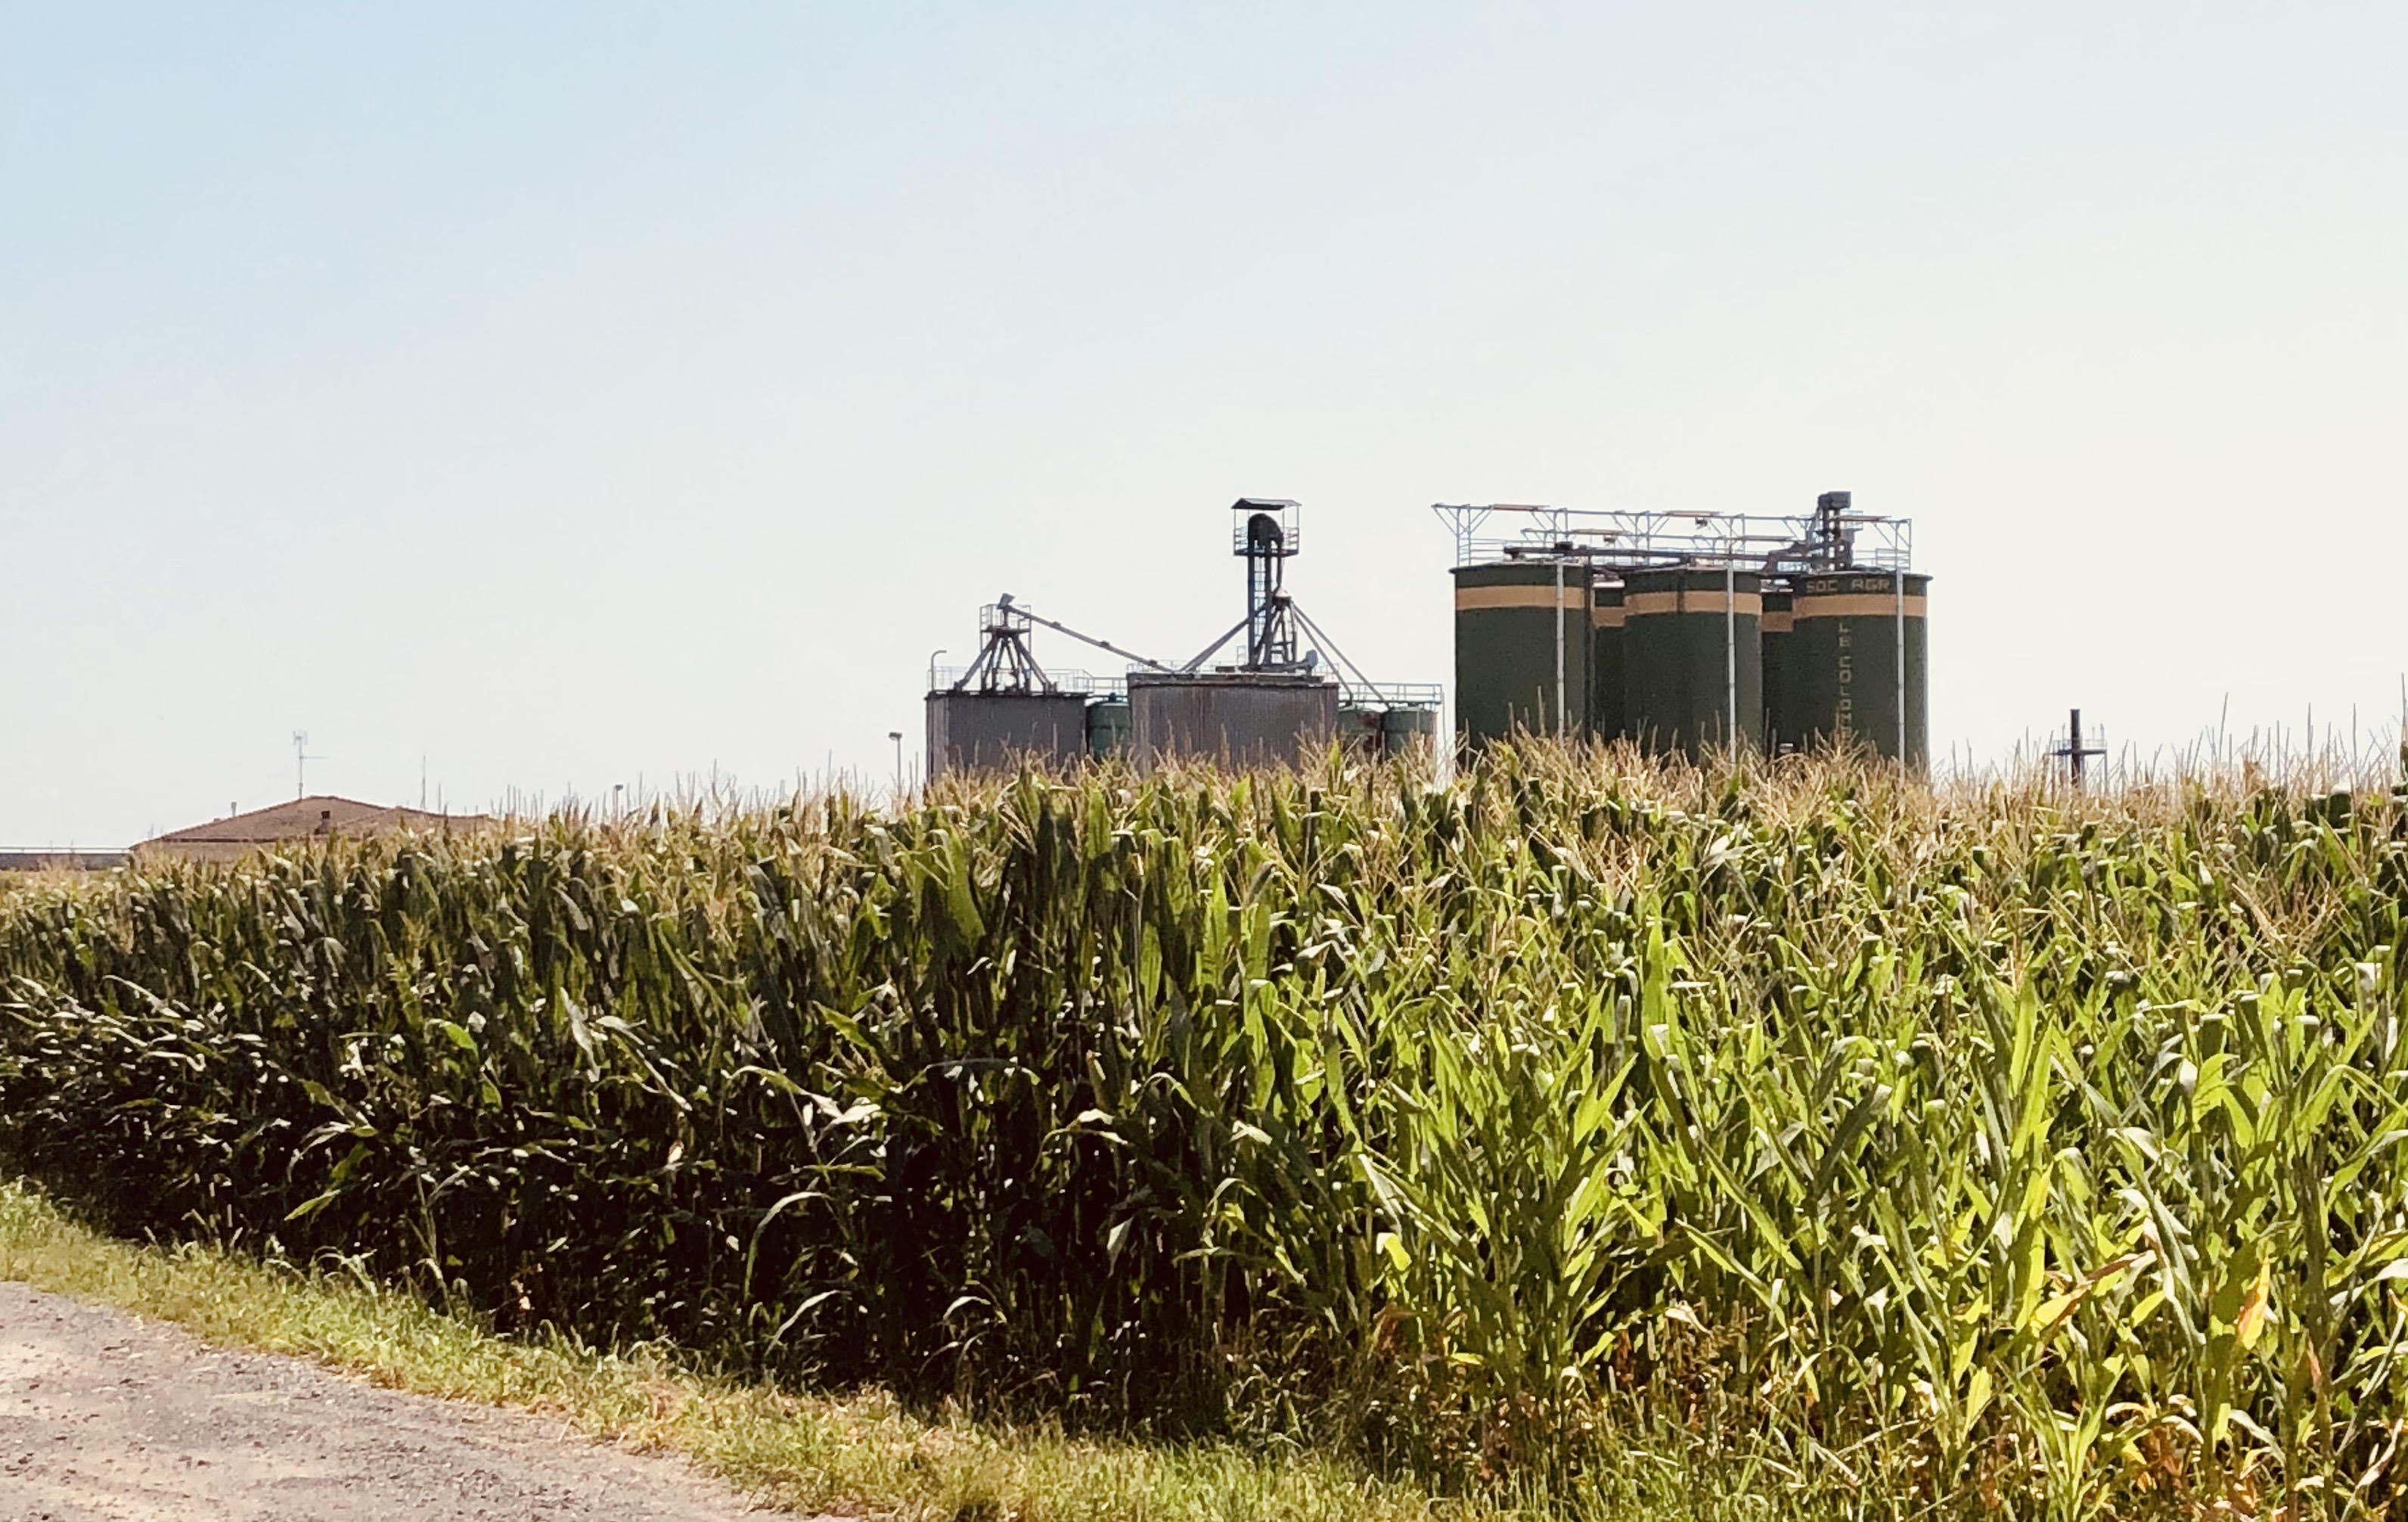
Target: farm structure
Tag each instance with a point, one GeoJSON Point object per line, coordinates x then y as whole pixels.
{"type": "Point", "coordinates": [1691, 631]}
{"type": "Point", "coordinates": [301, 820]}
{"type": "Point", "coordinates": [1285, 693]}
{"type": "Point", "coordinates": [36, 858]}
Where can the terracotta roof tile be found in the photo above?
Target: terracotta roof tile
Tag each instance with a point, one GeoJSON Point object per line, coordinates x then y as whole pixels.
{"type": "Point", "coordinates": [304, 818]}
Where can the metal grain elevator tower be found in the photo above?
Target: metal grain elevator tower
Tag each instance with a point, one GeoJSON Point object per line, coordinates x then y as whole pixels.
{"type": "Point", "coordinates": [1286, 696]}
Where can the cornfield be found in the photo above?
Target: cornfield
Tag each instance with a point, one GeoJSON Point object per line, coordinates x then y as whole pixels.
{"type": "Point", "coordinates": [1781, 1138]}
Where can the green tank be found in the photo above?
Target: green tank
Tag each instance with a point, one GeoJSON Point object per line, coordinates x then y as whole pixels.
{"type": "Point", "coordinates": [1387, 732]}
{"type": "Point", "coordinates": [1408, 732]}
{"type": "Point", "coordinates": [1605, 660]}
{"type": "Point", "coordinates": [1849, 631]}
{"type": "Point", "coordinates": [1692, 657]}
{"type": "Point", "coordinates": [1521, 648]}
{"type": "Point", "coordinates": [1358, 729]}
{"type": "Point", "coordinates": [1779, 724]}
{"type": "Point", "coordinates": [1107, 729]}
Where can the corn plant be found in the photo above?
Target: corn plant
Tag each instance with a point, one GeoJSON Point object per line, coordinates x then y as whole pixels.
{"type": "Point", "coordinates": [1587, 1123]}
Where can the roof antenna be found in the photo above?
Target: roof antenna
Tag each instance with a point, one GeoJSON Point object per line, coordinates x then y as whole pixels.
{"type": "Point", "coordinates": [301, 759]}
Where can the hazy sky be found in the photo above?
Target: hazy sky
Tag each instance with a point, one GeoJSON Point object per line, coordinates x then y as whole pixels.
{"type": "Point", "coordinates": [570, 394]}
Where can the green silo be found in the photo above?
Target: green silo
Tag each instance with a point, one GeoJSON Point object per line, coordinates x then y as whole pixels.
{"type": "Point", "coordinates": [1358, 729]}
{"type": "Point", "coordinates": [1408, 732]}
{"type": "Point", "coordinates": [1107, 729]}
{"type": "Point", "coordinates": [1521, 648]}
{"type": "Point", "coordinates": [1851, 629]}
{"type": "Point", "coordinates": [1779, 730]}
{"type": "Point", "coordinates": [1692, 657]}
{"type": "Point", "coordinates": [1605, 660]}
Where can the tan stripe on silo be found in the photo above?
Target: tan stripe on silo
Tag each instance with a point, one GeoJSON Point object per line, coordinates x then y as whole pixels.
{"type": "Point", "coordinates": [1540, 595]}
{"type": "Point", "coordinates": [1605, 615]}
{"type": "Point", "coordinates": [1746, 604]}
{"type": "Point", "coordinates": [1858, 605]}
{"type": "Point", "coordinates": [1778, 622]}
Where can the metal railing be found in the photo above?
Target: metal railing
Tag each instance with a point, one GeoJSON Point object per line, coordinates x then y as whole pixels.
{"type": "Point", "coordinates": [1354, 694]}
{"type": "Point", "coordinates": [1392, 694]}
{"type": "Point", "coordinates": [1634, 540]}
{"type": "Point", "coordinates": [1070, 682]}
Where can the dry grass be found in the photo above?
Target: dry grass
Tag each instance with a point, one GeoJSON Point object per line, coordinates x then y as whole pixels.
{"type": "Point", "coordinates": [859, 1455]}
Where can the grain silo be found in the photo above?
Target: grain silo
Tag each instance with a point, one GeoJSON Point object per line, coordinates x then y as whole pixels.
{"type": "Point", "coordinates": [1778, 726]}
{"type": "Point", "coordinates": [1388, 730]}
{"type": "Point", "coordinates": [1606, 617]}
{"type": "Point", "coordinates": [1238, 718]}
{"type": "Point", "coordinates": [1522, 643]}
{"type": "Point", "coordinates": [1004, 710]}
{"type": "Point", "coordinates": [1857, 662]}
{"type": "Point", "coordinates": [1107, 727]}
{"type": "Point", "coordinates": [1409, 730]}
{"type": "Point", "coordinates": [1273, 706]}
{"type": "Point", "coordinates": [1693, 669]}
{"type": "Point", "coordinates": [1706, 631]}
{"type": "Point", "coordinates": [1280, 702]}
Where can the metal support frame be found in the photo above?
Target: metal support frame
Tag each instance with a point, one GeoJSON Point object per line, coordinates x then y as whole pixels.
{"type": "Point", "coordinates": [1267, 535]}
{"type": "Point", "coordinates": [1023, 611]}
{"type": "Point", "coordinates": [1361, 683]}
{"type": "Point", "coordinates": [1005, 663]}
{"type": "Point", "coordinates": [1834, 537]}
{"type": "Point", "coordinates": [1197, 660]}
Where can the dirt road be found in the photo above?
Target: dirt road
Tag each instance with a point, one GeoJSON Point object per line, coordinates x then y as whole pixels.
{"type": "Point", "coordinates": [108, 1419]}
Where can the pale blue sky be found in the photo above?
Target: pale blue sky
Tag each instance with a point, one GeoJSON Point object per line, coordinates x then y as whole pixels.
{"type": "Point", "coordinates": [570, 393]}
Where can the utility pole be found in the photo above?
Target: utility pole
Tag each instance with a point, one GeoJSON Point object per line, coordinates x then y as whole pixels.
{"type": "Point", "coordinates": [897, 736]}
{"type": "Point", "coordinates": [2073, 750]}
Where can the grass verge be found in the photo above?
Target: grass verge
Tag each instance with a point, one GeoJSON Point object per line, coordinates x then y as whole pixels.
{"type": "Point", "coordinates": [859, 1455]}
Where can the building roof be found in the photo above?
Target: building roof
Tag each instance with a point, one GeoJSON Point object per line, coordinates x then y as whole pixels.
{"type": "Point", "coordinates": [305, 818]}
{"type": "Point", "coordinates": [68, 859]}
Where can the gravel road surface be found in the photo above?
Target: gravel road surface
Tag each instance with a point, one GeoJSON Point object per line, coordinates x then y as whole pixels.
{"type": "Point", "coordinates": [104, 1417]}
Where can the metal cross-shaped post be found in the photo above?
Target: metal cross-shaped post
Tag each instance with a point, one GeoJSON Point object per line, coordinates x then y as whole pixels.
{"type": "Point", "coordinates": [2073, 750]}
